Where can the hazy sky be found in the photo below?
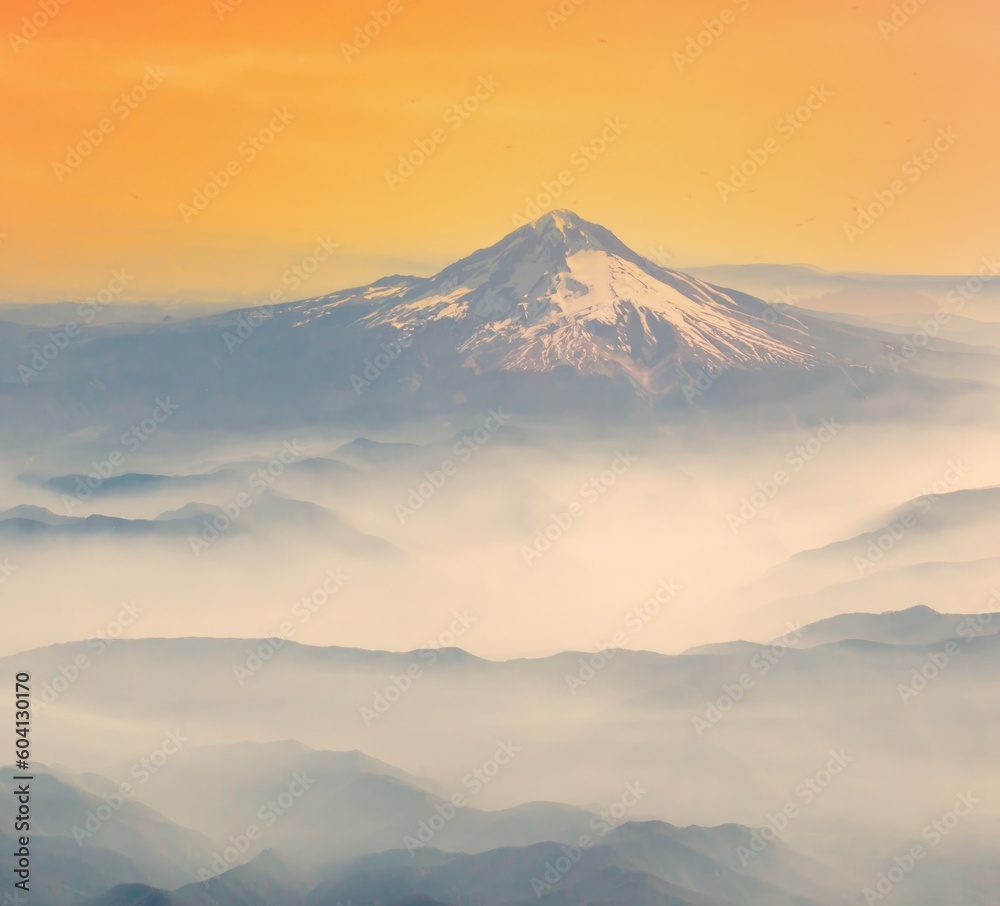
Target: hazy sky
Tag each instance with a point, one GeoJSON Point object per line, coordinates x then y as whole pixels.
{"type": "Point", "coordinates": [549, 83]}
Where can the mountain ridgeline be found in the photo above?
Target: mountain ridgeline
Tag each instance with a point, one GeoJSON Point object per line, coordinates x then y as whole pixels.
{"type": "Point", "coordinates": [558, 316]}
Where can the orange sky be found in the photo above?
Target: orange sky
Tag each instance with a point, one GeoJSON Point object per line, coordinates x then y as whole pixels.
{"type": "Point", "coordinates": [548, 85]}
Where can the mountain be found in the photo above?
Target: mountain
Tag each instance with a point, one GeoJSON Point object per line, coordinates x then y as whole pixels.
{"type": "Point", "coordinates": [937, 585]}
{"type": "Point", "coordinates": [565, 292]}
{"type": "Point", "coordinates": [269, 513]}
{"type": "Point", "coordinates": [660, 725]}
{"type": "Point", "coordinates": [65, 873]}
{"type": "Point", "coordinates": [557, 317]}
{"type": "Point", "coordinates": [89, 840]}
{"type": "Point", "coordinates": [29, 521]}
{"type": "Point", "coordinates": [918, 625]}
{"type": "Point", "coordinates": [650, 863]}
{"type": "Point", "coordinates": [859, 297]}
{"type": "Point", "coordinates": [939, 526]}
{"type": "Point", "coordinates": [267, 880]}
{"type": "Point", "coordinates": [57, 314]}
{"type": "Point", "coordinates": [354, 805]}
{"type": "Point", "coordinates": [138, 483]}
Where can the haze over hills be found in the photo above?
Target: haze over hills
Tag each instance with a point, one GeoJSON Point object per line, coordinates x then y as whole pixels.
{"type": "Point", "coordinates": [638, 863]}
{"type": "Point", "coordinates": [949, 527]}
{"type": "Point", "coordinates": [502, 534]}
{"type": "Point", "coordinates": [346, 825]}
{"type": "Point", "coordinates": [272, 512]}
{"type": "Point", "coordinates": [653, 710]}
{"type": "Point", "coordinates": [890, 301]}
{"type": "Point", "coordinates": [436, 468]}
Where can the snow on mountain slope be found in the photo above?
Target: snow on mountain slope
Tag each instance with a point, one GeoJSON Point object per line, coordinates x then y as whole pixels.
{"type": "Point", "coordinates": [565, 292]}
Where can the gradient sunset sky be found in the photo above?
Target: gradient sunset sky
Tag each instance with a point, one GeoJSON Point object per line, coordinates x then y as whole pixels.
{"type": "Point", "coordinates": [549, 83]}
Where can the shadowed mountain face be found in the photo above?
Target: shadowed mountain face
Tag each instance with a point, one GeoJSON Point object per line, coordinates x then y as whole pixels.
{"type": "Point", "coordinates": [263, 824]}
{"type": "Point", "coordinates": [194, 521]}
{"type": "Point", "coordinates": [559, 316]}
{"type": "Point", "coordinates": [97, 835]}
{"type": "Point", "coordinates": [355, 804]}
{"type": "Point", "coordinates": [918, 625]}
{"type": "Point", "coordinates": [638, 863]}
{"type": "Point", "coordinates": [87, 835]}
{"type": "Point", "coordinates": [657, 719]}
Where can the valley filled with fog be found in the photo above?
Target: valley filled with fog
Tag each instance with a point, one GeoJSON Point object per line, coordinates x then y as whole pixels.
{"type": "Point", "coordinates": [404, 591]}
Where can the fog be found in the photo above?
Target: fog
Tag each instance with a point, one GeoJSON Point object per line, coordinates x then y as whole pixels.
{"type": "Point", "coordinates": [714, 513]}
{"type": "Point", "coordinates": [531, 613]}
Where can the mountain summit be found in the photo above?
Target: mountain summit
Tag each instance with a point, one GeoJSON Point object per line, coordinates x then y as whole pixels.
{"type": "Point", "coordinates": [559, 317]}
{"type": "Point", "coordinates": [562, 291]}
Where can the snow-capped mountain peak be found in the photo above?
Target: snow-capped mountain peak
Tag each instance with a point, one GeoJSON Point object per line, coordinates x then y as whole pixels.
{"type": "Point", "coordinates": [562, 291]}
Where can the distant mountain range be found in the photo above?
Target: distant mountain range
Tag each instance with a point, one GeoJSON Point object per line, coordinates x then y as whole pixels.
{"type": "Point", "coordinates": [938, 541]}
{"type": "Point", "coordinates": [224, 823]}
{"type": "Point", "coordinates": [353, 821]}
{"type": "Point", "coordinates": [636, 864]}
{"type": "Point", "coordinates": [267, 513]}
{"type": "Point", "coordinates": [559, 316]}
